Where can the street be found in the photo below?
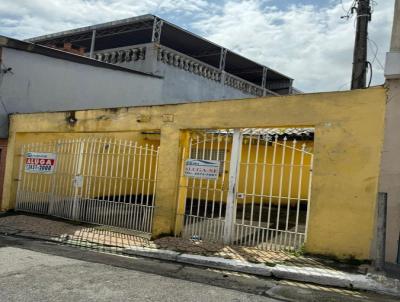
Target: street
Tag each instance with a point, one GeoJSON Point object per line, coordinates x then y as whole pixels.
{"type": "Point", "coordinates": [33, 270]}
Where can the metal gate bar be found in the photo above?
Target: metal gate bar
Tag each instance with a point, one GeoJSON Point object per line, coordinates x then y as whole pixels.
{"type": "Point", "coordinates": [281, 227]}
{"type": "Point", "coordinates": [205, 199]}
{"type": "Point", "coordinates": [96, 180]}
{"type": "Point", "coordinates": [269, 190]}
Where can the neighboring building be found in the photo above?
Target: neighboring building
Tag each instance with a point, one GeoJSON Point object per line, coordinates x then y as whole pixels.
{"type": "Point", "coordinates": [390, 167]}
{"type": "Point", "coordinates": [132, 62]}
{"type": "Point", "coordinates": [139, 61]}
{"type": "Point", "coordinates": [192, 67]}
{"type": "Point", "coordinates": [35, 78]}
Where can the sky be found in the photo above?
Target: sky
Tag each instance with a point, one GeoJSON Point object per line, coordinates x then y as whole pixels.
{"type": "Point", "coordinates": [307, 40]}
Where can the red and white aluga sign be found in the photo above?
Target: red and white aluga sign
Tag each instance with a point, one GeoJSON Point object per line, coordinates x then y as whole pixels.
{"type": "Point", "coordinates": [38, 162]}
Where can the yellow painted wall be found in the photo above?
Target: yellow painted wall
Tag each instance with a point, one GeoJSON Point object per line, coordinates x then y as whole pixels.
{"type": "Point", "coordinates": [255, 175]}
{"type": "Point", "coordinates": [347, 147]}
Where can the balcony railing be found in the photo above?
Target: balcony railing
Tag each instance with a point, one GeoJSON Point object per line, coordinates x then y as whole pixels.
{"type": "Point", "coordinates": [243, 85]}
{"type": "Point", "coordinates": [179, 60]}
{"type": "Point", "coordinates": [122, 55]}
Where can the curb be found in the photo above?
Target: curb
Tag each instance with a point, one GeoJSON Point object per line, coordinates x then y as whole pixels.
{"type": "Point", "coordinates": [19, 233]}
{"type": "Point", "coordinates": [374, 283]}
{"type": "Point", "coordinates": [213, 262]}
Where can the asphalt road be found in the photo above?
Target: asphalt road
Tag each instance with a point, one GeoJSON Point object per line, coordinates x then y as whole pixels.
{"type": "Point", "coordinates": [40, 271]}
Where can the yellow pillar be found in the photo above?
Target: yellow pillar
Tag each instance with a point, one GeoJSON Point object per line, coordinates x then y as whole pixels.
{"type": "Point", "coordinates": [182, 190]}
{"type": "Point", "coordinates": [8, 199]}
{"type": "Point", "coordinates": [167, 182]}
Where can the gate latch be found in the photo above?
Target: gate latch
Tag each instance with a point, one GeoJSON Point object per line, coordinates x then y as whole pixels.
{"type": "Point", "coordinates": [240, 195]}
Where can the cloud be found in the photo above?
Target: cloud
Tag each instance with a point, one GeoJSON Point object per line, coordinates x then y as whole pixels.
{"type": "Point", "coordinates": [309, 43]}
{"type": "Point", "coordinates": [28, 18]}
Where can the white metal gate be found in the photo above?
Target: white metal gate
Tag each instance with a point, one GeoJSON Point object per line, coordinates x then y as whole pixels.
{"type": "Point", "coordinates": [262, 195]}
{"type": "Point", "coordinates": [96, 180]}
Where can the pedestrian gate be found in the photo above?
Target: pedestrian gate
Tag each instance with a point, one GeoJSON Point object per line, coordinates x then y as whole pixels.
{"type": "Point", "coordinates": [96, 180]}
{"type": "Point", "coordinates": [260, 195]}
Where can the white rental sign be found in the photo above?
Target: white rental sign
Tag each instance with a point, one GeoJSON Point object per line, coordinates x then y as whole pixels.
{"type": "Point", "coordinates": [204, 169]}
{"type": "Point", "coordinates": [37, 162]}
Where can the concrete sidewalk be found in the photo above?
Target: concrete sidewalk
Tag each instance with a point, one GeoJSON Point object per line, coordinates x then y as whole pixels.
{"type": "Point", "coordinates": [20, 264]}
{"type": "Point", "coordinates": [249, 260]}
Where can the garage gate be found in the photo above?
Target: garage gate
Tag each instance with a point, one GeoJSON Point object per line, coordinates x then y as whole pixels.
{"type": "Point", "coordinates": [102, 181]}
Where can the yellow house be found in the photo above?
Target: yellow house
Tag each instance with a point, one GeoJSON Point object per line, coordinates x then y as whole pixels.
{"type": "Point", "coordinates": [126, 167]}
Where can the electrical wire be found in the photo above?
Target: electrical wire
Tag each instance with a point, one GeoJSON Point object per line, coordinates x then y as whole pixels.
{"type": "Point", "coordinates": [373, 5]}
{"type": "Point", "coordinates": [376, 53]}
{"type": "Point", "coordinates": [349, 82]}
{"type": "Point", "coordinates": [370, 73]}
{"type": "Point", "coordinates": [343, 85]}
{"type": "Point", "coordinates": [348, 12]}
{"type": "Point", "coordinates": [341, 3]}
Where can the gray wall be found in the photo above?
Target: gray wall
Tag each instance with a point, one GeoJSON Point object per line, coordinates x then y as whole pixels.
{"type": "Point", "coordinates": [184, 86]}
{"type": "Point", "coordinates": [39, 83]}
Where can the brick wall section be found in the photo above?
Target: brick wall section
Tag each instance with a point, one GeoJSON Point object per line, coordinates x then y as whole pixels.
{"type": "Point", "coordinates": [69, 47]}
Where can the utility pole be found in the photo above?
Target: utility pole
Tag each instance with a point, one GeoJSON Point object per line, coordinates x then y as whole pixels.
{"type": "Point", "coordinates": [359, 74]}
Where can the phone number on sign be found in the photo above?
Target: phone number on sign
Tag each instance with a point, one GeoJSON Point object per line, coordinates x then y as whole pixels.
{"type": "Point", "coordinates": [38, 168]}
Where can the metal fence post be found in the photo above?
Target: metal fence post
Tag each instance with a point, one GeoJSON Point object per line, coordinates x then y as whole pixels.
{"type": "Point", "coordinates": [381, 231]}
{"type": "Point", "coordinates": [76, 200]}
{"type": "Point", "coordinates": [21, 167]}
{"type": "Point", "coordinates": [53, 181]}
{"type": "Point", "coordinates": [233, 171]}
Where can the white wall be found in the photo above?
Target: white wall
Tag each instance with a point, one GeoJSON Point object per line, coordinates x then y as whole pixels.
{"type": "Point", "coordinates": [390, 169]}
{"type": "Point", "coordinates": [390, 166]}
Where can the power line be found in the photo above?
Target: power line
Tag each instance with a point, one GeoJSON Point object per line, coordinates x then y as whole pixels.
{"type": "Point", "coordinates": [370, 73]}
{"type": "Point", "coordinates": [373, 5]}
{"type": "Point", "coordinates": [348, 12]}
{"type": "Point", "coordinates": [372, 42]}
